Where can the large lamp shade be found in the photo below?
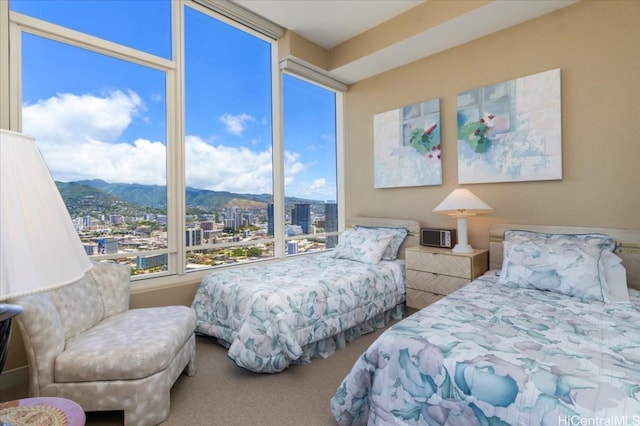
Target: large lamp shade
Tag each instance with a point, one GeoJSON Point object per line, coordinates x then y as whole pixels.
{"type": "Point", "coordinates": [39, 247]}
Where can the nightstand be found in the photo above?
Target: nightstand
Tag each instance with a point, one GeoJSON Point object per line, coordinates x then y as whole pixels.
{"type": "Point", "coordinates": [433, 273]}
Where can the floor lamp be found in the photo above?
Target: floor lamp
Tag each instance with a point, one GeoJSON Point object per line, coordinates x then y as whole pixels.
{"type": "Point", "coordinates": [462, 203]}
{"type": "Point", "coordinates": [39, 246]}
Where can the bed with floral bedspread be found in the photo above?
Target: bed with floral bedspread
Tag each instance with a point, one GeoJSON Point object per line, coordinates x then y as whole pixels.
{"type": "Point", "coordinates": [546, 340]}
{"type": "Point", "coordinates": [272, 315]}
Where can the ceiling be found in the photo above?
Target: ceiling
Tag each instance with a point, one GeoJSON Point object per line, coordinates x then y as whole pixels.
{"type": "Point", "coordinates": [328, 23]}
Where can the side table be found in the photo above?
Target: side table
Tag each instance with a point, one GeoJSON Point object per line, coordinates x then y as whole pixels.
{"type": "Point", "coordinates": [42, 411]}
{"type": "Point", "coordinates": [433, 273]}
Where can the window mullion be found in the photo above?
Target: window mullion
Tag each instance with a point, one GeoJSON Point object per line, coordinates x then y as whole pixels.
{"type": "Point", "coordinates": [176, 205]}
{"type": "Point", "coordinates": [340, 156]}
{"type": "Point", "coordinates": [278, 157]}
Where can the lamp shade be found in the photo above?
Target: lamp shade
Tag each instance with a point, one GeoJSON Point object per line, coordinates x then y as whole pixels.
{"type": "Point", "coordinates": [462, 201]}
{"type": "Point", "coordinates": [40, 248]}
{"type": "Point", "coordinates": [460, 204]}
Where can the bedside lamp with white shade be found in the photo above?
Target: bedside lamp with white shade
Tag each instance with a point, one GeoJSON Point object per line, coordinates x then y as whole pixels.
{"type": "Point", "coordinates": [460, 204]}
{"type": "Point", "coordinates": [39, 246]}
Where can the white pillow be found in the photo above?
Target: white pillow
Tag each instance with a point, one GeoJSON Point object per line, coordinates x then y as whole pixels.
{"type": "Point", "coordinates": [615, 278]}
{"type": "Point", "coordinates": [398, 236]}
{"type": "Point", "coordinates": [362, 245]}
{"type": "Point", "coordinates": [567, 269]}
{"type": "Point", "coordinates": [568, 264]}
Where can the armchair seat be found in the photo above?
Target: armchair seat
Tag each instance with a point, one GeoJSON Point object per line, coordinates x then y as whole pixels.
{"type": "Point", "coordinates": [131, 345]}
{"type": "Point", "coordinates": [84, 343]}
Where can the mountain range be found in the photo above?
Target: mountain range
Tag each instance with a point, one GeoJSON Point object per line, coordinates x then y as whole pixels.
{"type": "Point", "coordinates": [91, 197]}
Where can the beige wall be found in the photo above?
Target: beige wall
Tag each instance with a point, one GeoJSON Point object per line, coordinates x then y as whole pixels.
{"type": "Point", "coordinates": [595, 44]}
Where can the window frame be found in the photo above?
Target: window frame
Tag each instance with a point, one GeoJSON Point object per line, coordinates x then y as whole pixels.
{"type": "Point", "coordinates": [12, 24]}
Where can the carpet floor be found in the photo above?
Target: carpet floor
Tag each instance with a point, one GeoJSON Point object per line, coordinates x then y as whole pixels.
{"type": "Point", "coordinates": [223, 394]}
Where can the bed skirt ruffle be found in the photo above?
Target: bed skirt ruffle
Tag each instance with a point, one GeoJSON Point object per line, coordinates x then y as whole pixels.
{"type": "Point", "coordinates": [326, 347]}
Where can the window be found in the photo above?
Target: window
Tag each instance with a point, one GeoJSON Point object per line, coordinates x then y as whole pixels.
{"type": "Point", "coordinates": [100, 123]}
{"type": "Point", "coordinates": [228, 144]}
{"type": "Point", "coordinates": [309, 166]}
{"type": "Point", "coordinates": [170, 157]}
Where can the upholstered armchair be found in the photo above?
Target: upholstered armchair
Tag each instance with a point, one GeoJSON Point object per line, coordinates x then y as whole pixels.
{"type": "Point", "coordinates": [85, 344]}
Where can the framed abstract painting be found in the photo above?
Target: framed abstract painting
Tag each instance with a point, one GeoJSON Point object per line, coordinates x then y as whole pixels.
{"type": "Point", "coordinates": [407, 146]}
{"type": "Point", "coordinates": [511, 131]}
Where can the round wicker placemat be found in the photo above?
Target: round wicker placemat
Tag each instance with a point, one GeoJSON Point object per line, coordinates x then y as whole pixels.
{"type": "Point", "coordinates": [33, 415]}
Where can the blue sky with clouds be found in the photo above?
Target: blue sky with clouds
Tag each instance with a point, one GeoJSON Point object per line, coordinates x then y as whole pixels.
{"type": "Point", "coordinates": [100, 117]}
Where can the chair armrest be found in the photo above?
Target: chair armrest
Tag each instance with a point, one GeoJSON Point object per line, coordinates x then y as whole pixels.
{"type": "Point", "coordinates": [114, 284]}
{"type": "Point", "coordinates": [43, 337]}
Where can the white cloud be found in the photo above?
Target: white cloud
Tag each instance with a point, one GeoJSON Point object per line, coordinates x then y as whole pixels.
{"type": "Point", "coordinates": [235, 124]}
{"type": "Point", "coordinates": [79, 137]}
{"type": "Point", "coordinates": [223, 168]}
{"type": "Point", "coordinates": [234, 169]}
{"type": "Point", "coordinates": [67, 118]}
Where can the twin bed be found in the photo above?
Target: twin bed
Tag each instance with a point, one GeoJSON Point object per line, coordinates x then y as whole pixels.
{"type": "Point", "coordinates": [550, 335]}
{"type": "Point", "coordinates": [546, 337]}
{"type": "Point", "coordinates": [272, 315]}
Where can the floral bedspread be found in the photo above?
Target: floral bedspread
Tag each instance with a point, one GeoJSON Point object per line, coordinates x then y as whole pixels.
{"type": "Point", "coordinates": [496, 355]}
{"type": "Point", "coordinates": [270, 316]}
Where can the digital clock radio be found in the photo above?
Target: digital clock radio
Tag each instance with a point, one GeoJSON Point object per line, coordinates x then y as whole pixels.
{"type": "Point", "coordinates": [433, 237]}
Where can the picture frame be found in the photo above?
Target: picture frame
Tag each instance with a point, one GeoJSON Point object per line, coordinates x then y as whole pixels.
{"type": "Point", "coordinates": [511, 131]}
{"type": "Point", "coordinates": [407, 146]}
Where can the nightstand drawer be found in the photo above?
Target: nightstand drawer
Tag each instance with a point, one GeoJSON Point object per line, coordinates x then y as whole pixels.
{"type": "Point", "coordinates": [419, 299]}
{"type": "Point", "coordinates": [434, 283]}
{"type": "Point", "coordinates": [457, 266]}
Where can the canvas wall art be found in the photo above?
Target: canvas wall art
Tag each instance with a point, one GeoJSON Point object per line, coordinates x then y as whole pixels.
{"type": "Point", "coordinates": [511, 131]}
{"type": "Point", "coordinates": [407, 146]}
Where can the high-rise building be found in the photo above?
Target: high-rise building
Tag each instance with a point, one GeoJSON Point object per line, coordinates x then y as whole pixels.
{"type": "Point", "coordinates": [194, 237]}
{"type": "Point", "coordinates": [208, 225]}
{"type": "Point", "coordinates": [270, 218]}
{"type": "Point", "coordinates": [331, 222]}
{"type": "Point", "coordinates": [107, 246]}
{"type": "Point", "coordinates": [151, 261]}
{"type": "Point", "coordinates": [301, 215]}
{"type": "Point", "coordinates": [292, 247]}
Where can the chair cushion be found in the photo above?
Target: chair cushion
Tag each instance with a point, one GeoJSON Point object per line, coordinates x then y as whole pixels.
{"type": "Point", "coordinates": [131, 345]}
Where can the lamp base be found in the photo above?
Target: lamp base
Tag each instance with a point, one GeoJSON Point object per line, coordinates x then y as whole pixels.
{"type": "Point", "coordinates": [464, 249]}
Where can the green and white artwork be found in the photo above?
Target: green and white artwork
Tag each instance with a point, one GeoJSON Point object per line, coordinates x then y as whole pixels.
{"type": "Point", "coordinates": [407, 146]}
{"type": "Point", "coordinates": [511, 131]}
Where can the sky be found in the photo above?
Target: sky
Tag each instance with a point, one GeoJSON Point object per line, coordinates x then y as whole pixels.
{"type": "Point", "coordinates": [96, 117]}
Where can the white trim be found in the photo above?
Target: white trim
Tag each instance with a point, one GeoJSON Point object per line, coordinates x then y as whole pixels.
{"type": "Point", "coordinates": [277, 151]}
{"type": "Point", "coordinates": [340, 161]}
{"type": "Point", "coordinates": [176, 209]}
{"type": "Point", "coordinates": [244, 17]}
{"type": "Point", "coordinates": [301, 68]}
{"type": "Point", "coordinates": [85, 41]}
{"type": "Point", "coordinates": [4, 65]}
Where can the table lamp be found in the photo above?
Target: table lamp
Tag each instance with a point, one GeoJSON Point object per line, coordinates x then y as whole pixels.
{"type": "Point", "coordinates": [39, 247]}
{"type": "Point", "coordinates": [460, 204]}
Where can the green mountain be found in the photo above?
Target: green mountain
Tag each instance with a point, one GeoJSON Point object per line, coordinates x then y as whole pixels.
{"type": "Point", "coordinates": [93, 197]}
